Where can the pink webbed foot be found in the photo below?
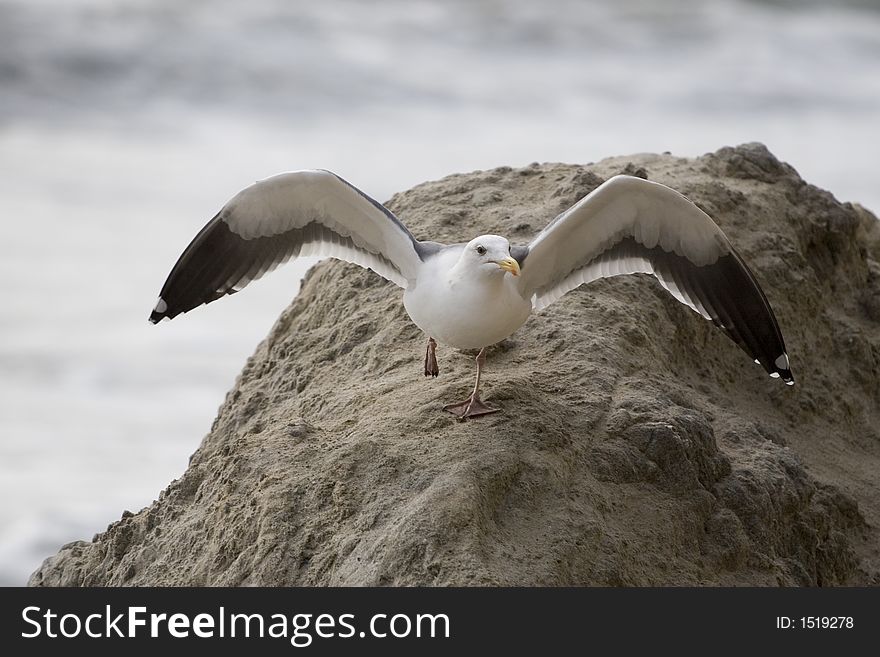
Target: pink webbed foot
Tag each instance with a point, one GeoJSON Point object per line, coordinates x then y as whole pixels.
{"type": "Point", "coordinates": [470, 407]}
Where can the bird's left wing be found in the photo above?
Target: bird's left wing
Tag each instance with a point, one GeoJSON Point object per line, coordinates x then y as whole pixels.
{"type": "Point", "coordinates": [301, 213]}
{"type": "Point", "coordinates": [628, 225]}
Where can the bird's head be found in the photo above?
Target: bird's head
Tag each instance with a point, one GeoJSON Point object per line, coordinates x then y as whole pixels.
{"type": "Point", "coordinates": [489, 254]}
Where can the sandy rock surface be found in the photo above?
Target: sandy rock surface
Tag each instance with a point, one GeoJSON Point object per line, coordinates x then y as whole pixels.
{"type": "Point", "coordinates": [637, 445]}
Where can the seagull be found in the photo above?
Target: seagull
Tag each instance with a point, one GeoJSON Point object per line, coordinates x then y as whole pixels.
{"type": "Point", "coordinates": [472, 295]}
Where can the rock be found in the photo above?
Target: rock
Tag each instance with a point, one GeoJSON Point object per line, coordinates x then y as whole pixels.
{"type": "Point", "coordinates": [638, 445]}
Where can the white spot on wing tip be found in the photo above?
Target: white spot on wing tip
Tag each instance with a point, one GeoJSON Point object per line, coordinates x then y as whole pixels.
{"type": "Point", "coordinates": [161, 306]}
{"type": "Point", "coordinates": [790, 382]}
{"type": "Point", "coordinates": [775, 375]}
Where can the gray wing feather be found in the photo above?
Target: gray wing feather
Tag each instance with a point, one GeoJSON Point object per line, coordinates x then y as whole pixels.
{"type": "Point", "coordinates": [303, 213]}
{"type": "Point", "coordinates": [629, 225]}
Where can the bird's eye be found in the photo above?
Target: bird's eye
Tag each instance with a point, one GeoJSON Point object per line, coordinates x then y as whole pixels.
{"type": "Point", "coordinates": [481, 250]}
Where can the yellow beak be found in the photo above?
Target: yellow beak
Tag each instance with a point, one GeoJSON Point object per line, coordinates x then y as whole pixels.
{"type": "Point", "coordinates": [509, 264]}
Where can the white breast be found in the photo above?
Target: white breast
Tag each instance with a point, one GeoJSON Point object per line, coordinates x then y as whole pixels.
{"type": "Point", "coordinates": [467, 312]}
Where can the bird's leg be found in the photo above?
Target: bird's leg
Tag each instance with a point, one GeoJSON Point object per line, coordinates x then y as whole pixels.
{"type": "Point", "coordinates": [473, 405]}
{"type": "Point", "coordinates": [431, 368]}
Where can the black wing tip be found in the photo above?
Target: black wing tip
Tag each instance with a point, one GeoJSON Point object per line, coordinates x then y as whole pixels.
{"type": "Point", "coordinates": [160, 312]}
{"type": "Point", "coordinates": [781, 369]}
{"type": "Point", "coordinates": [785, 375]}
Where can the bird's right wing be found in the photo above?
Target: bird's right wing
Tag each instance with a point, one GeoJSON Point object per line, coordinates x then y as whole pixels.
{"type": "Point", "coordinates": [628, 225]}
{"type": "Point", "coordinates": [302, 213]}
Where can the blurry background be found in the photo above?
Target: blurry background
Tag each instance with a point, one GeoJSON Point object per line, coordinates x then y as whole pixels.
{"type": "Point", "coordinates": [125, 125]}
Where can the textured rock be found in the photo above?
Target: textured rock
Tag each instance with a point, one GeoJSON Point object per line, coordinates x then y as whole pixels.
{"type": "Point", "coordinates": [638, 445]}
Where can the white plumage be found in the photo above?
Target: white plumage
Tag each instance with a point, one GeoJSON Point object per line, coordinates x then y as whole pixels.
{"type": "Point", "coordinates": [464, 299]}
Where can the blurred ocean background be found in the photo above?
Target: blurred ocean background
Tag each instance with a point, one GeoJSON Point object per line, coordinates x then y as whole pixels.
{"type": "Point", "coordinates": [125, 125]}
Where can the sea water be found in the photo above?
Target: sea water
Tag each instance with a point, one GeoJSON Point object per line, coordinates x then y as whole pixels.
{"type": "Point", "coordinates": [125, 125]}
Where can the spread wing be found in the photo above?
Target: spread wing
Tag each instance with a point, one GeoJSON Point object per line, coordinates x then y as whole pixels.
{"type": "Point", "coordinates": [302, 213]}
{"type": "Point", "coordinates": [628, 225]}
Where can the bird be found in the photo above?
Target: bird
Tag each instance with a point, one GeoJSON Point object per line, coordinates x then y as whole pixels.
{"type": "Point", "coordinates": [474, 294]}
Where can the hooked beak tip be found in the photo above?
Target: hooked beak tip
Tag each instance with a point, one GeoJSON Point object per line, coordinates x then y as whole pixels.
{"type": "Point", "coordinates": [509, 264]}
